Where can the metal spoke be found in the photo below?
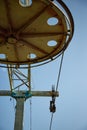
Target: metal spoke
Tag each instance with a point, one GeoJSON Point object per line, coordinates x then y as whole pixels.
{"type": "Point", "coordinates": [8, 11]}
{"type": "Point", "coordinates": [16, 52]}
{"type": "Point", "coordinates": [2, 30]}
{"type": "Point", "coordinates": [42, 34]}
{"type": "Point", "coordinates": [32, 46]}
{"type": "Point", "coordinates": [30, 21]}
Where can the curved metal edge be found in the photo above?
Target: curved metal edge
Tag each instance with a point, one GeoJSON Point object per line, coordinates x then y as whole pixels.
{"type": "Point", "coordinates": [68, 12]}
{"type": "Point", "coordinates": [32, 66]}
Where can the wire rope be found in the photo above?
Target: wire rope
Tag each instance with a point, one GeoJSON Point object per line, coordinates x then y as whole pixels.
{"type": "Point", "coordinates": [30, 114]}
{"type": "Point", "coordinates": [59, 73]}
{"type": "Point", "coordinates": [13, 103]}
{"type": "Point", "coordinates": [29, 78]}
{"type": "Point", "coordinates": [57, 85]}
{"type": "Point", "coordinates": [51, 121]}
{"type": "Point", "coordinates": [72, 31]}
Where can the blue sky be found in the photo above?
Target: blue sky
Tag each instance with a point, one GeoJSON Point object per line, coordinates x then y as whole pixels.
{"type": "Point", "coordinates": [71, 104]}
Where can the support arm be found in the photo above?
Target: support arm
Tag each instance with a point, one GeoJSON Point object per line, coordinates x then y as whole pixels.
{"type": "Point", "coordinates": [27, 93]}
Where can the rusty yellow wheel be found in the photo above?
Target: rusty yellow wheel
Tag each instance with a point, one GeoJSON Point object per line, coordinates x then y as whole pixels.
{"type": "Point", "coordinates": [33, 35]}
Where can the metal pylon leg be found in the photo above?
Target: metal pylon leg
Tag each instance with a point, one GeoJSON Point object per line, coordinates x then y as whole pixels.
{"type": "Point", "coordinates": [19, 114]}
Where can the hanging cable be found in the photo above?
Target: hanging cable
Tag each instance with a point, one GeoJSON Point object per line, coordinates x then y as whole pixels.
{"type": "Point", "coordinates": [29, 78]}
{"type": "Point", "coordinates": [13, 103]}
{"type": "Point", "coordinates": [30, 114]}
{"type": "Point", "coordinates": [60, 68]}
{"type": "Point", "coordinates": [57, 85]}
{"type": "Point", "coordinates": [51, 121]}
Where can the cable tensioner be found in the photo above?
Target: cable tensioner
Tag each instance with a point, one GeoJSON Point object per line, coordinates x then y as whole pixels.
{"type": "Point", "coordinates": [52, 102]}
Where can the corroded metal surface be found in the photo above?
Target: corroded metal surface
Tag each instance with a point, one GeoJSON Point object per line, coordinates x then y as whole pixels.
{"type": "Point", "coordinates": [33, 34]}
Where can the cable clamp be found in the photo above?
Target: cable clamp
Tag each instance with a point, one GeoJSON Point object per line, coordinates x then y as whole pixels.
{"type": "Point", "coordinates": [52, 102]}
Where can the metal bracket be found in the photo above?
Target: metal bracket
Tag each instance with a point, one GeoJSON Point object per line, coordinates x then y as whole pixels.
{"type": "Point", "coordinates": [20, 94]}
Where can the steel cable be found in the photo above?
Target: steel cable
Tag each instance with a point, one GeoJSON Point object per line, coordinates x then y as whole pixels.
{"type": "Point", "coordinates": [57, 85]}
{"type": "Point", "coordinates": [60, 68]}
{"type": "Point", "coordinates": [72, 31]}
{"type": "Point", "coordinates": [30, 114]}
{"type": "Point", "coordinates": [51, 121]}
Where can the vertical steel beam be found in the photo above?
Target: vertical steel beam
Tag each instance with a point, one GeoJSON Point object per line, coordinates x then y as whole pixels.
{"type": "Point", "coordinates": [10, 73]}
{"type": "Point", "coordinates": [19, 114]}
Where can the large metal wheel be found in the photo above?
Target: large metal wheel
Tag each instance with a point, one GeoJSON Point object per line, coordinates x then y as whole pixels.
{"type": "Point", "coordinates": [33, 35]}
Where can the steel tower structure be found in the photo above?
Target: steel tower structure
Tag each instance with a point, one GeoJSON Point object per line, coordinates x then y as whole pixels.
{"type": "Point", "coordinates": [32, 33]}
